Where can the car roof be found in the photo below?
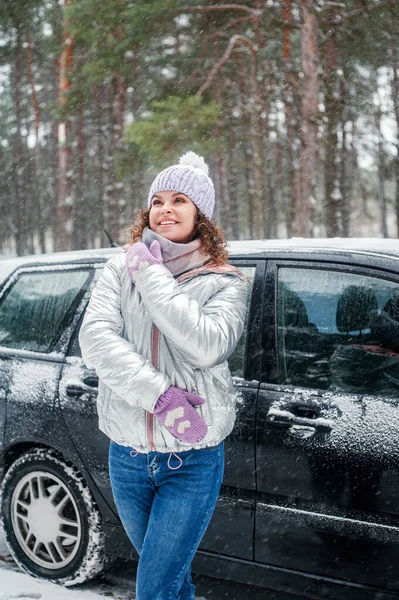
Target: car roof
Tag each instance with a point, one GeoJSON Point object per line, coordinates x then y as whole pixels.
{"type": "Point", "coordinates": [242, 248]}
{"type": "Point", "coordinates": [8, 265]}
{"type": "Point", "coordinates": [377, 246]}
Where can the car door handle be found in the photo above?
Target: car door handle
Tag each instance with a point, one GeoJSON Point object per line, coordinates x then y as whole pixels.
{"type": "Point", "coordinates": [285, 418]}
{"type": "Point", "coordinates": [91, 381]}
{"type": "Point", "coordinates": [78, 390]}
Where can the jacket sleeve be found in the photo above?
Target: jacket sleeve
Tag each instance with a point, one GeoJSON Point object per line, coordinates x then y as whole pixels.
{"type": "Point", "coordinates": [115, 359]}
{"type": "Point", "coordinates": [206, 334]}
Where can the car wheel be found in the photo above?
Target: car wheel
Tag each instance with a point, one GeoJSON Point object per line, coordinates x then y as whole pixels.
{"type": "Point", "coordinates": [51, 523]}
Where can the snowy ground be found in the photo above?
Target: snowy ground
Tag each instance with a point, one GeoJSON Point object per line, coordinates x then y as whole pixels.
{"type": "Point", "coordinates": [116, 585]}
{"type": "Point", "coordinates": [16, 585]}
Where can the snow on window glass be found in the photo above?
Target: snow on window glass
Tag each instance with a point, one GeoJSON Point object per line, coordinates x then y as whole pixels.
{"type": "Point", "coordinates": [338, 330]}
{"type": "Point", "coordinates": [38, 307]}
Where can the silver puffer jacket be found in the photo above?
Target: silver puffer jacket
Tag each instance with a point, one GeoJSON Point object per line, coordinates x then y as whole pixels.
{"type": "Point", "coordinates": [142, 338]}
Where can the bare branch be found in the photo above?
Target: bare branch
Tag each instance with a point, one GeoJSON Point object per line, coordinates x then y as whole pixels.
{"type": "Point", "coordinates": [254, 13]}
{"type": "Point", "coordinates": [233, 41]}
{"type": "Point", "coordinates": [370, 8]}
{"type": "Point", "coordinates": [217, 7]}
{"type": "Point", "coordinates": [213, 36]}
{"type": "Point", "coordinates": [234, 22]}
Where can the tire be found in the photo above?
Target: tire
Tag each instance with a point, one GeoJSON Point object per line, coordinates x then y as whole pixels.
{"type": "Point", "coordinates": [51, 523]}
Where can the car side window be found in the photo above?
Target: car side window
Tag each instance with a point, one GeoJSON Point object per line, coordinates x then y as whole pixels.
{"type": "Point", "coordinates": [38, 306]}
{"type": "Point", "coordinates": [338, 331]}
{"type": "Point", "coordinates": [236, 360]}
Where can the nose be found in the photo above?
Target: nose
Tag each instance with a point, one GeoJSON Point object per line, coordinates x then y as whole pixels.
{"type": "Point", "coordinates": [166, 207]}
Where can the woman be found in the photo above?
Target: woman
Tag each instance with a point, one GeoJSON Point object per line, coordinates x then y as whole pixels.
{"type": "Point", "coordinates": [160, 325]}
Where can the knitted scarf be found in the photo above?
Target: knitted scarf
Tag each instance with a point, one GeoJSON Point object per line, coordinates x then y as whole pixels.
{"type": "Point", "coordinates": [178, 258]}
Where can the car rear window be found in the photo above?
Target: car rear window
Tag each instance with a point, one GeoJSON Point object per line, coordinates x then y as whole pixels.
{"type": "Point", "coordinates": [38, 307]}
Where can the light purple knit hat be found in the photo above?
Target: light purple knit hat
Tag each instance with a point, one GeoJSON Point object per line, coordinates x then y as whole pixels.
{"type": "Point", "coordinates": [191, 178]}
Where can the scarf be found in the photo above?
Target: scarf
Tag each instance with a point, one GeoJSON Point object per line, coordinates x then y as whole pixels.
{"type": "Point", "coordinates": [178, 258]}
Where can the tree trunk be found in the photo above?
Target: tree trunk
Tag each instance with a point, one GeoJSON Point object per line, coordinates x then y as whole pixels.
{"type": "Point", "coordinates": [271, 221]}
{"type": "Point", "coordinates": [332, 181]}
{"type": "Point", "coordinates": [345, 182]}
{"type": "Point", "coordinates": [19, 213]}
{"type": "Point", "coordinates": [290, 125]}
{"type": "Point", "coordinates": [117, 187]}
{"type": "Point", "coordinates": [279, 178]}
{"type": "Point", "coordinates": [395, 96]}
{"type": "Point", "coordinates": [381, 176]}
{"type": "Point", "coordinates": [108, 167]}
{"type": "Point", "coordinates": [247, 151]}
{"type": "Point", "coordinates": [31, 78]}
{"type": "Point", "coordinates": [266, 159]}
{"type": "Point", "coordinates": [36, 199]}
{"type": "Point", "coordinates": [54, 183]}
{"type": "Point", "coordinates": [258, 126]}
{"type": "Point", "coordinates": [30, 205]}
{"type": "Point", "coordinates": [101, 175]}
{"type": "Point", "coordinates": [233, 192]}
{"type": "Point", "coordinates": [224, 197]}
{"type": "Point", "coordinates": [81, 208]}
{"type": "Point", "coordinates": [256, 142]}
{"type": "Point", "coordinates": [64, 213]}
{"type": "Point", "coordinates": [232, 148]}
{"type": "Point", "coordinates": [349, 167]}
{"type": "Point", "coordinates": [302, 225]}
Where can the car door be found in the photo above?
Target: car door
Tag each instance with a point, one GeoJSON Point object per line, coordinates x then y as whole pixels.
{"type": "Point", "coordinates": [77, 393]}
{"type": "Point", "coordinates": [37, 313]}
{"type": "Point", "coordinates": [328, 423]}
{"type": "Point", "coordinates": [230, 531]}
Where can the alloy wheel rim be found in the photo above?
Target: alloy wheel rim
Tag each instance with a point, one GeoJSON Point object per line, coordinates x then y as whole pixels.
{"type": "Point", "coordinates": [46, 520]}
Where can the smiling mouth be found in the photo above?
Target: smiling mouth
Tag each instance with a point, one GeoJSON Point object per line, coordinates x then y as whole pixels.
{"type": "Point", "coordinates": [165, 223]}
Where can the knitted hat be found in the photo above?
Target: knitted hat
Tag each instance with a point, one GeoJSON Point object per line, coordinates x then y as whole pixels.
{"type": "Point", "coordinates": [191, 178]}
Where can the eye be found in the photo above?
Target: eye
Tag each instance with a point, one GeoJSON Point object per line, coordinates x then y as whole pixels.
{"type": "Point", "coordinates": [156, 201]}
{"type": "Point", "coordinates": [180, 199]}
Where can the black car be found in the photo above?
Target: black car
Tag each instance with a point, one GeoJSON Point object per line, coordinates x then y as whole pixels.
{"type": "Point", "coordinates": [310, 497]}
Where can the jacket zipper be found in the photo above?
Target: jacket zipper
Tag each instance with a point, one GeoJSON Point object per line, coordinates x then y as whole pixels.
{"type": "Point", "coordinates": [154, 359]}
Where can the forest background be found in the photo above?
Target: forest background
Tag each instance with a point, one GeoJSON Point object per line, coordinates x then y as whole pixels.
{"type": "Point", "coordinates": [293, 103]}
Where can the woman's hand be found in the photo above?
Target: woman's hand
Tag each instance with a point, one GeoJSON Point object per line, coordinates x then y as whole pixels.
{"type": "Point", "coordinates": [174, 409]}
{"type": "Point", "coordinates": [139, 257]}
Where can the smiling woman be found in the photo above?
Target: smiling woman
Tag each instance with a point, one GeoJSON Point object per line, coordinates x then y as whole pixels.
{"type": "Point", "coordinates": [180, 208]}
{"type": "Point", "coordinates": [161, 323]}
{"type": "Point", "coordinates": [172, 215]}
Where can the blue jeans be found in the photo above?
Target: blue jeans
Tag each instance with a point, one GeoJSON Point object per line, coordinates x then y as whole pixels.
{"type": "Point", "coordinates": [165, 511]}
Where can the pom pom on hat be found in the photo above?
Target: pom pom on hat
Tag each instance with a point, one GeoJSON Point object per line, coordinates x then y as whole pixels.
{"type": "Point", "coordinates": [191, 178]}
{"type": "Point", "coordinates": [190, 159]}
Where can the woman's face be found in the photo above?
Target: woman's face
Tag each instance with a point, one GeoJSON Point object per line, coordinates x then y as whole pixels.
{"type": "Point", "coordinates": [172, 215]}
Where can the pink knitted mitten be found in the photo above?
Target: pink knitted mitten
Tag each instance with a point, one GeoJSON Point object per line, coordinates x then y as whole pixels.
{"type": "Point", "coordinates": [174, 409]}
{"type": "Point", "coordinates": [138, 258]}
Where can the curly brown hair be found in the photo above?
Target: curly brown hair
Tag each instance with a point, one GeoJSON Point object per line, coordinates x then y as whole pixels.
{"type": "Point", "coordinates": [212, 236]}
